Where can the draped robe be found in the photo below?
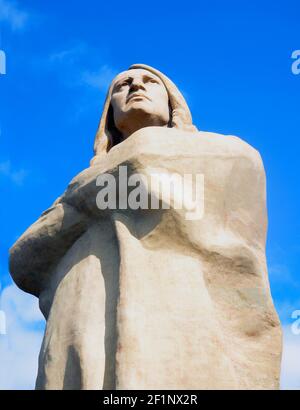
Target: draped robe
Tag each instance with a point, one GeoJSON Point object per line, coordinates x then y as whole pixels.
{"type": "Point", "coordinates": [146, 299]}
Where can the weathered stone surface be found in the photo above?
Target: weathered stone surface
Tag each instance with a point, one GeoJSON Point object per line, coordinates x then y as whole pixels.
{"type": "Point", "coordinates": [146, 299]}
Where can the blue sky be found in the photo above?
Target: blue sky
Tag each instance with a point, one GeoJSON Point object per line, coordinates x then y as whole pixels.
{"type": "Point", "coordinates": [232, 61]}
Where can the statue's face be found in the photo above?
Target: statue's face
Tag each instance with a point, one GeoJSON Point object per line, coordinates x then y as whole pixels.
{"type": "Point", "coordinates": [139, 99]}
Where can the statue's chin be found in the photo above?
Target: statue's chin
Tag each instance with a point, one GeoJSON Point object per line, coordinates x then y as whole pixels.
{"type": "Point", "coordinates": [138, 116]}
{"type": "Point", "coordinates": [139, 105]}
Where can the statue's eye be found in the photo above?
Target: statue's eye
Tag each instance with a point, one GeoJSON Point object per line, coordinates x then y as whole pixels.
{"type": "Point", "coordinates": [150, 80]}
{"type": "Point", "coordinates": [121, 85]}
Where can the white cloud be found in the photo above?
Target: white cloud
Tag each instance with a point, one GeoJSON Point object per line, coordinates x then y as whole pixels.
{"type": "Point", "coordinates": [290, 369]}
{"type": "Point", "coordinates": [285, 308]}
{"type": "Point", "coordinates": [12, 14]}
{"type": "Point", "coordinates": [73, 66]}
{"type": "Point", "coordinates": [15, 176]}
{"type": "Point", "coordinates": [2, 323]}
{"type": "Point", "coordinates": [19, 348]}
{"type": "Point", "coordinates": [280, 274]}
{"type": "Point", "coordinates": [68, 55]}
{"type": "Point", "coordinates": [100, 79]}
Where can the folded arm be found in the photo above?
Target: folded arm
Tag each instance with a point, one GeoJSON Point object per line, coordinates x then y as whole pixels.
{"type": "Point", "coordinates": [43, 244]}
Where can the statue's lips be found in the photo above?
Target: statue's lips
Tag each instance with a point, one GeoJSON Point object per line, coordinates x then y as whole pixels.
{"type": "Point", "coordinates": [132, 96]}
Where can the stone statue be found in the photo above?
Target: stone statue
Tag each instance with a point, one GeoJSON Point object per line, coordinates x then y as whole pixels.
{"type": "Point", "coordinates": [146, 298]}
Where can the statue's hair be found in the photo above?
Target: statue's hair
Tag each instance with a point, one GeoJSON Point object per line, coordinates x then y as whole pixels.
{"type": "Point", "coordinates": [108, 135]}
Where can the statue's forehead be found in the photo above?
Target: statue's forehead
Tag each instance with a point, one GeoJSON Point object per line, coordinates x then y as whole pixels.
{"type": "Point", "coordinates": [134, 73]}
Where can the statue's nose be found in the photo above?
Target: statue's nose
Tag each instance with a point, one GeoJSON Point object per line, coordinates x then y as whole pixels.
{"type": "Point", "coordinates": [137, 85]}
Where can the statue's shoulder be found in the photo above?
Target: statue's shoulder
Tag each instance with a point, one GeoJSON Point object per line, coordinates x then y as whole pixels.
{"type": "Point", "coordinates": [230, 145]}
{"type": "Point", "coordinates": [174, 142]}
